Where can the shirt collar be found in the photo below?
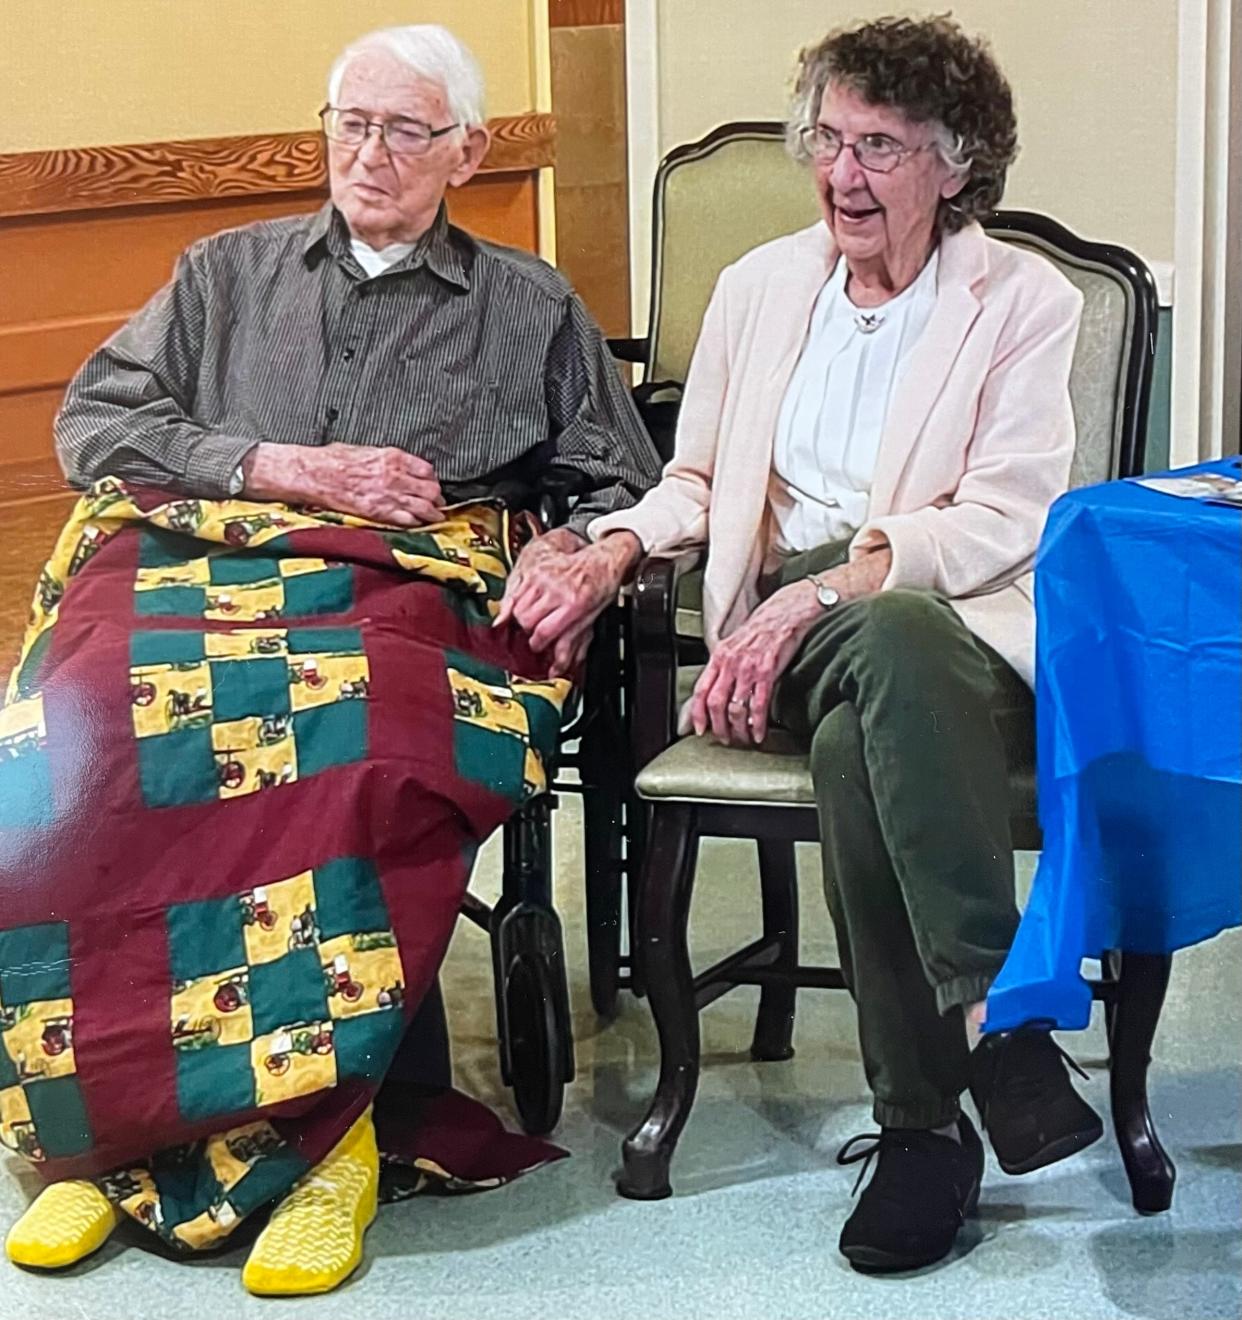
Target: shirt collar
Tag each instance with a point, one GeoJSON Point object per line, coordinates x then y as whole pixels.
{"type": "Point", "coordinates": [328, 232]}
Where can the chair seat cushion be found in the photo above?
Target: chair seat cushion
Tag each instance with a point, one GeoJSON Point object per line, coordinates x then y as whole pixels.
{"type": "Point", "coordinates": [703, 770]}
{"type": "Point", "coordinates": [777, 774]}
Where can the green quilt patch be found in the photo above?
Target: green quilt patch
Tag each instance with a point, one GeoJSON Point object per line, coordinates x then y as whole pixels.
{"type": "Point", "coordinates": [505, 729]}
{"type": "Point", "coordinates": [42, 1113]}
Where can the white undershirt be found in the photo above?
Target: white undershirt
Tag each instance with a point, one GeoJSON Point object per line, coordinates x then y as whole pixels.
{"type": "Point", "coordinates": [833, 413]}
{"type": "Point", "coordinates": [376, 262]}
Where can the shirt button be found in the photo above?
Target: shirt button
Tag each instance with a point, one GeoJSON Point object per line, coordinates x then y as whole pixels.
{"type": "Point", "coordinates": [348, 355]}
{"type": "Point", "coordinates": [333, 414]}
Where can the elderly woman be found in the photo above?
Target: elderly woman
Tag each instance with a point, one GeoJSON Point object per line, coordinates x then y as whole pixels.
{"type": "Point", "coordinates": [875, 423]}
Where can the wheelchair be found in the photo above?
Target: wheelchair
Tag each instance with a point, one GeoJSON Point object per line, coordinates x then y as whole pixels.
{"type": "Point", "coordinates": [533, 1024]}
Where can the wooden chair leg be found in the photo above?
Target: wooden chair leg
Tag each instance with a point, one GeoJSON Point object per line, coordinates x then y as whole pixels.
{"type": "Point", "coordinates": [664, 961]}
{"type": "Point", "coordinates": [778, 879]}
{"type": "Point", "coordinates": [1141, 983]}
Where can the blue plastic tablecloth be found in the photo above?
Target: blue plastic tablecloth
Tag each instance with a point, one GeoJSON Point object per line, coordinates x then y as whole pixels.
{"type": "Point", "coordinates": [1139, 713]}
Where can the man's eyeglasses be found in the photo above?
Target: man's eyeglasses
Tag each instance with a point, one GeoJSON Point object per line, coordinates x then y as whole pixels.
{"type": "Point", "coordinates": [875, 152]}
{"type": "Point", "coordinates": [403, 137]}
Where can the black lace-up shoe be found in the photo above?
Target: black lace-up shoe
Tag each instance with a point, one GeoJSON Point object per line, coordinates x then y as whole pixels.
{"type": "Point", "coordinates": [923, 1188]}
{"type": "Point", "coordinates": [1026, 1101]}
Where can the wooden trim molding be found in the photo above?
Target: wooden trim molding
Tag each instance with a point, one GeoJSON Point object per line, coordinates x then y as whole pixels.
{"type": "Point", "coordinates": [586, 13]}
{"type": "Point", "coordinates": [157, 173]}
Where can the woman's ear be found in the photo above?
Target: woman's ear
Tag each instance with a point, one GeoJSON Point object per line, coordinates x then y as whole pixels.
{"type": "Point", "coordinates": [474, 148]}
{"type": "Point", "coordinates": [954, 185]}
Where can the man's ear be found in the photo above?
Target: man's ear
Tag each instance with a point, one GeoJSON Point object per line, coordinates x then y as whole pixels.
{"type": "Point", "coordinates": [473, 148]}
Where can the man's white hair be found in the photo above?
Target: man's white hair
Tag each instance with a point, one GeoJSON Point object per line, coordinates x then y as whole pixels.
{"type": "Point", "coordinates": [430, 52]}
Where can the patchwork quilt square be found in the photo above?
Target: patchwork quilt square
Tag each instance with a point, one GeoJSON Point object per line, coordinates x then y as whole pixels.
{"type": "Point", "coordinates": [223, 715]}
{"type": "Point", "coordinates": [258, 985]}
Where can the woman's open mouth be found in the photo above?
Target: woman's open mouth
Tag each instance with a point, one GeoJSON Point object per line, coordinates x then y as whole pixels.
{"type": "Point", "coordinates": [856, 215]}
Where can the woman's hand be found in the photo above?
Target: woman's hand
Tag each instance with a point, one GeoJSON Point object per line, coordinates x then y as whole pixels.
{"type": "Point", "coordinates": [734, 692]}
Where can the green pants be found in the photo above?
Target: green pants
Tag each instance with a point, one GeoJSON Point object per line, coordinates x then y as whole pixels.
{"type": "Point", "coordinates": [911, 722]}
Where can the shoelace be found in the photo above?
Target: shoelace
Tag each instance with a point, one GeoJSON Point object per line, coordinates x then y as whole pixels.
{"type": "Point", "coordinates": [1029, 1085]}
{"type": "Point", "coordinates": [848, 1156]}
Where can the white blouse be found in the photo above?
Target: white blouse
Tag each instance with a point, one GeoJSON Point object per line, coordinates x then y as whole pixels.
{"type": "Point", "coordinates": [832, 416]}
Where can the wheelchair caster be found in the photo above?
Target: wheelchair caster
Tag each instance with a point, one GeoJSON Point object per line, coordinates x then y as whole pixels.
{"type": "Point", "coordinates": [536, 1041]}
{"type": "Point", "coordinates": [538, 1090]}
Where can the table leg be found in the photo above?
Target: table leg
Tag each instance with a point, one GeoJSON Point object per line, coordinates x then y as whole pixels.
{"type": "Point", "coordinates": [1141, 981]}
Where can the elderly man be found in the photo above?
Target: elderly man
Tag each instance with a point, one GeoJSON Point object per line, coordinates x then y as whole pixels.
{"type": "Point", "coordinates": [373, 358]}
{"type": "Point", "coordinates": [288, 430]}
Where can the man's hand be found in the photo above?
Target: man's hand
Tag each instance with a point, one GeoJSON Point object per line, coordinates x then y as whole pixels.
{"type": "Point", "coordinates": [733, 695]}
{"type": "Point", "coordinates": [384, 485]}
{"type": "Point", "coordinates": [560, 586]}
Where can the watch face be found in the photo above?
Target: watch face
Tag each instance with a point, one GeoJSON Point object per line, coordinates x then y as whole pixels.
{"type": "Point", "coordinates": [826, 595]}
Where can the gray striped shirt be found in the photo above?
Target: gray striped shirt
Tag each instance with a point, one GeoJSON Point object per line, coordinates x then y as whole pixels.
{"type": "Point", "coordinates": [479, 358]}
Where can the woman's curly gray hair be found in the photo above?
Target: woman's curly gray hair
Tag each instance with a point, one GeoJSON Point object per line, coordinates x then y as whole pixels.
{"type": "Point", "coordinates": [933, 73]}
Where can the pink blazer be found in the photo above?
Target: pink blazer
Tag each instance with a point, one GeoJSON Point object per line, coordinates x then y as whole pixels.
{"type": "Point", "coordinates": [976, 446]}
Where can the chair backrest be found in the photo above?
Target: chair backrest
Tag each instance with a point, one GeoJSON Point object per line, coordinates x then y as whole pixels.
{"type": "Point", "coordinates": [715, 199]}
{"type": "Point", "coordinates": [737, 187]}
{"type": "Point", "coordinates": [1110, 378]}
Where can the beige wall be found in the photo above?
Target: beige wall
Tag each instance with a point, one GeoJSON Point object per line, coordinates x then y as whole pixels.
{"type": "Point", "coordinates": [1095, 83]}
{"type": "Point", "coordinates": [98, 72]}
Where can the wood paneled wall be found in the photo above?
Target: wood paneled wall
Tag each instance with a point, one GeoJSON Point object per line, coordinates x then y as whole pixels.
{"type": "Point", "coordinates": [587, 45]}
{"type": "Point", "coordinates": [86, 236]}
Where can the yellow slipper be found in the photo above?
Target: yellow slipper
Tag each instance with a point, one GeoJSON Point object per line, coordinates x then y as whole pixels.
{"type": "Point", "coordinates": [313, 1241]}
{"type": "Point", "coordinates": [64, 1224]}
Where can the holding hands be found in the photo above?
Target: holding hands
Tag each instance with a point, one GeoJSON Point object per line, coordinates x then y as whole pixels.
{"type": "Point", "coordinates": [560, 585]}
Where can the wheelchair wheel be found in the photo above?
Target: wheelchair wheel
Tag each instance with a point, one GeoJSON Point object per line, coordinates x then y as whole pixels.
{"type": "Point", "coordinates": [534, 1043]}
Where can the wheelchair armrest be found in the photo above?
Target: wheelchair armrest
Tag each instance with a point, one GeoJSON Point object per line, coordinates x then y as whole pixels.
{"type": "Point", "coordinates": [557, 488]}
{"type": "Point", "coordinates": [547, 493]}
{"type": "Point", "coordinates": [653, 622]}
{"type": "Point", "coordinates": [628, 350]}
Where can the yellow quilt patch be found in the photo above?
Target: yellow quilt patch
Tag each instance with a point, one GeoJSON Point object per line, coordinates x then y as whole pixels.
{"type": "Point", "coordinates": [17, 1129]}
{"type": "Point", "coordinates": [320, 680]}
{"type": "Point", "coordinates": [168, 698]}
{"type": "Point", "coordinates": [22, 726]}
{"type": "Point", "coordinates": [490, 706]}
{"type": "Point", "coordinates": [293, 1062]}
{"type": "Point", "coordinates": [246, 644]}
{"type": "Point", "coordinates": [39, 1038]}
{"type": "Point", "coordinates": [278, 918]}
{"type": "Point", "coordinates": [212, 1010]}
{"type": "Point", "coordinates": [247, 602]}
{"type": "Point", "coordinates": [362, 972]}
{"type": "Point", "coordinates": [254, 753]}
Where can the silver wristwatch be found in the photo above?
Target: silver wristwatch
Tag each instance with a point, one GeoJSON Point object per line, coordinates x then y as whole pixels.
{"type": "Point", "coordinates": [826, 595]}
